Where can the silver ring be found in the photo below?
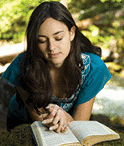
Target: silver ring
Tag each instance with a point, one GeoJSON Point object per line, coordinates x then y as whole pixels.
{"type": "Point", "coordinates": [59, 111]}
{"type": "Point", "coordinates": [55, 106]}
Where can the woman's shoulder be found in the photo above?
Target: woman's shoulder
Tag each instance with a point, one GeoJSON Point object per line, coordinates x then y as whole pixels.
{"type": "Point", "coordinates": [86, 62]}
{"type": "Point", "coordinates": [94, 76]}
{"type": "Point", "coordinates": [13, 71]}
{"type": "Point", "coordinates": [18, 59]}
{"type": "Point", "coordinates": [93, 61]}
{"type": "Point", "coordinates": [93, 64]}
{"type": "Point", "coordinates": [91, 58]}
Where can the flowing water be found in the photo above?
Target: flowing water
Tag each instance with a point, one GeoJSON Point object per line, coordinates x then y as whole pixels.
{"type": "Point", "coordinates": [110, 100]}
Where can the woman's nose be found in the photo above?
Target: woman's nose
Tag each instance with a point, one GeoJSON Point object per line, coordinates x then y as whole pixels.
{"type": "Point", "coordinates": [51, 45]}
{"type": "Point", "coordinates": [51, 48]}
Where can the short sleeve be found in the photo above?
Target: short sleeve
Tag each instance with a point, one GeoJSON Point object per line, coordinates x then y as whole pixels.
{"type": "Point", "coordinates": [94, 81]}
{"type": "Point", "coordinates": [12, 73]}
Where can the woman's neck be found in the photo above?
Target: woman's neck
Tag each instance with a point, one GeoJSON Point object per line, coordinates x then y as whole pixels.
{"type": "Point", "coordinates": [58, 83]}
{"type": "Point", "coordinates": [55, 69]}
{"type": "Point", "coordinates": [55, 73]}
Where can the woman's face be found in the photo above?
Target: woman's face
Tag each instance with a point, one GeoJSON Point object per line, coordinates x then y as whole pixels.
{"type": "Point", "coordinates": [55, 41]}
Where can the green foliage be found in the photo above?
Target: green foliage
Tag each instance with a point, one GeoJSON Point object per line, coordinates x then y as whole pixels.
{"type": "Point", "coordinates": [2, 2]}
{"type": "Point", "coordinates": [14, 16]}
{"type": "Point", "coordinates": [107, 27]}
{"type": "Point", "coordinates": [91, 8]}
{"type": "Point", "coordinates": [118, 1]}
{"type": "Point", "coordinates": [100, 8]}
{"type": "Point", "coordinates": [77, 6]}
{"type": "Point", "coordinates": [97, 36]}
{"type": "Point", "coordinates": [103, 37]}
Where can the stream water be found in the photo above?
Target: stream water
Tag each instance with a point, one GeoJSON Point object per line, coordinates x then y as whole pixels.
{"type": "Point", "coordinates": [110, 100]}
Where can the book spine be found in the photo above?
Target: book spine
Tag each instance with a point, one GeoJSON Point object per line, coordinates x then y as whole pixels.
{"type": "Point", "coordinates": [37, 134]}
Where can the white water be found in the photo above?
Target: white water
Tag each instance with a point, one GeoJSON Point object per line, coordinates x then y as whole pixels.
{"type": "Point", "coordinates": [110, 101]}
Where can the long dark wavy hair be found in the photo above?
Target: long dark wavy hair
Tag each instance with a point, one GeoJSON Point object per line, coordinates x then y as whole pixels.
{"type": "Point", "coordinates": [35, 76]}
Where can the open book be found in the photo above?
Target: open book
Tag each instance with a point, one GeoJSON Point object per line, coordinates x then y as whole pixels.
{"type": "Point", "coordinates": [79, 133]}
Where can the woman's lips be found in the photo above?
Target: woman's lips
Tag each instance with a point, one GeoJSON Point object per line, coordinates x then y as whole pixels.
{"type": "Point", "coordinates": [54, 55]}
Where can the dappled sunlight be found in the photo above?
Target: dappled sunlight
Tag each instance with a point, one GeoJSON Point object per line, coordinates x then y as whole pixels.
{"type": "Point", "coordinates": [12, 49]}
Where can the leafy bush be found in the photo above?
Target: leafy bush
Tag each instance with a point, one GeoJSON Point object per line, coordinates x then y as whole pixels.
{"type": "Point", "coordinates": [14, 16]}
{"type": "Point", "coordinates": [94, 6]}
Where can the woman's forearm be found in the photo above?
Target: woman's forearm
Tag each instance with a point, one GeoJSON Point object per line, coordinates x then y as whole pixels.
{"type": "Point", "coordinates": [35, 116]}
{"type": "Point", "coordinates": [32, 112]}
{"type": "Point", "coordinates": [83, 111]}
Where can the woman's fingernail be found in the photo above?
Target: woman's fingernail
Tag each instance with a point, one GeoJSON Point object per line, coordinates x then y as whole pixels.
{"type": "Point", "coordinates": [40, 116]}
{"type": "Point", "coordinates": [47, 107]}
{"type": "Point", "coordinates": [55, 106]}
{"type": "Point", "coordinates": [44, 122]}
{"type": "Point", "coordinates": [51, 128]}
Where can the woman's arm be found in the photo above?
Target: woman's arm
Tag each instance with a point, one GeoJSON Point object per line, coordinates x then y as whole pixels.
{"type": "Point", "coordinates": [59, 118]}
{"type": "Point", "coordinates": [83, 111]}
{"type": "Point", "coordinates": [54, 114]}
{"type": "Point", "coordinates": [32, 112]}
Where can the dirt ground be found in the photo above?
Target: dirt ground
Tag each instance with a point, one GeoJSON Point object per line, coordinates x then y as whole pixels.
{"type": "Point", "coordinates": [22, 136]}
{"type": "Point", "coordinates": [3, 116]}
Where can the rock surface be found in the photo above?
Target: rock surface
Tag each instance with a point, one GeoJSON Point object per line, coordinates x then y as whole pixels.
{"type": "Point", "coordinates": [22, 136]}
{"type": "Point", "coordinates": [6, 92]}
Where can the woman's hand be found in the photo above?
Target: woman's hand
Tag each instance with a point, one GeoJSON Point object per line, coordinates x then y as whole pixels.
{"type": "Point", "coordinates": [57, 119]}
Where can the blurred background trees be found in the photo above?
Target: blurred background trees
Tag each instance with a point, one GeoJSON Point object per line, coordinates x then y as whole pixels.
{"type": "Point", "coordinates": [14, 15]}
{"type": "Point", "coordinates": [102, 21]}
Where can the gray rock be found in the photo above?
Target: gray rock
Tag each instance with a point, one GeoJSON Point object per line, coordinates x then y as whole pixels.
{"type": "Point", "coordinates": [6, 92]}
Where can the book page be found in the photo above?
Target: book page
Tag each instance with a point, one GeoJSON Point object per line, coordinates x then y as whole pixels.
{"type": "Point", "coordinates": [51, 138]}
{"type": "Point", "coordinates": [82, 129]}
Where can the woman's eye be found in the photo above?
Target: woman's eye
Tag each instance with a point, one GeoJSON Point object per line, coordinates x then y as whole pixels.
{"type": "Point", "coordinates": [41, 42]}
{"type": "Point", "coordinates": [58, 39]}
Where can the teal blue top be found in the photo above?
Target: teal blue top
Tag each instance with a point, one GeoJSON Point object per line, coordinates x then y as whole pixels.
{"type": "Point", "coordinates": [94, 76]}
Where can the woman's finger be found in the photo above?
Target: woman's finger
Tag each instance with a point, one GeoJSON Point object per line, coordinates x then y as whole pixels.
{"type": "Point", "coordinates": [57, 117]}
{"type": "Point", "coordinates": [47, 121]}
{"type": "Point", "coordinates": [43, 116]}
{"type": "Point", "coordinates": [64, 129]}
{"type": "Point", "coordinates": [51, 106]}
{"type": "Point", "coordinates": [60, 125]}
{"type": "Point", "coordinates": [54, 127]}
{"type": "Point", "coordinates": [53, 111]}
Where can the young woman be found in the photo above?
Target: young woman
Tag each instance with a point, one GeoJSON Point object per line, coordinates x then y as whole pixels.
{"type": "Point", "coordinates": [59, 75]}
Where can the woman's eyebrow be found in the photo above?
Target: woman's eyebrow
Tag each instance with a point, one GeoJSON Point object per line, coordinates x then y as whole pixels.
{"type": "Point", "coordinates": [57, 32]}
{"type": "Point", "coordinates": [41, 36]}
{"type": "Point", "coordinates": [53, 34]}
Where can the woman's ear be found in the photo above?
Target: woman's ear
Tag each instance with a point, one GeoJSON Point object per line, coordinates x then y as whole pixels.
{"type": "Point", "coordinates": [72, 33]}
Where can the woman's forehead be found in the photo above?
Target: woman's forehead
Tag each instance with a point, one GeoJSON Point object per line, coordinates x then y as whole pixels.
{"type": "Point", "coordinates": [52, 26]}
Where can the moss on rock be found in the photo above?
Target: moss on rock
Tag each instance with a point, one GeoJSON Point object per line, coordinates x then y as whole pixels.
{"type": "Point", "coordinates": [19, 136]}
{"type": "Point", "coordinates": [22, 136]}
